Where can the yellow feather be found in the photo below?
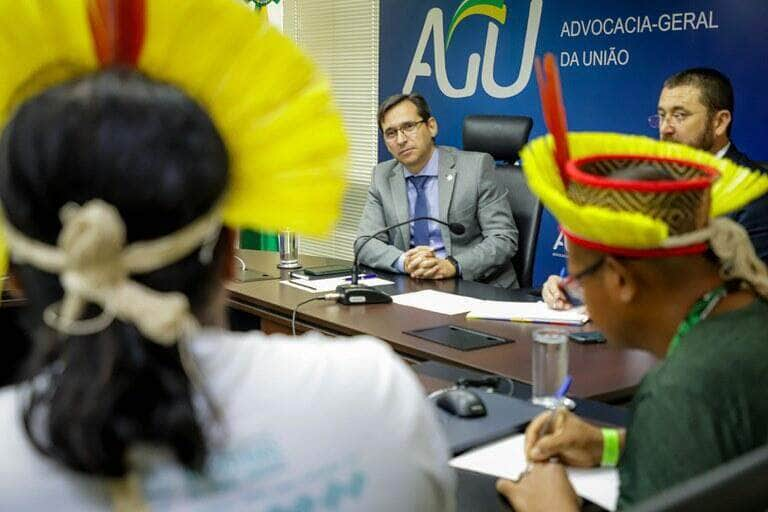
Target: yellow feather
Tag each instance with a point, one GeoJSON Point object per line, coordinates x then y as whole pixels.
{"type": "Point", "coordinates": [285, 137]}
{"type": "Point", "coordinates": [273, 108]}
{"type": "Point", "coordinates": [41, 43]}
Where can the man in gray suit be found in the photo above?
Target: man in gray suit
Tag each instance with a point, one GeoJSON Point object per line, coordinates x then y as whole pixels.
{"type": "Point", "coordinates": [442, 182]}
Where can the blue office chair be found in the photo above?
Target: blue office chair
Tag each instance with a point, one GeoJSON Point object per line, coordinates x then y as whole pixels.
{"type": "Point", "coordinates": [503, 137]}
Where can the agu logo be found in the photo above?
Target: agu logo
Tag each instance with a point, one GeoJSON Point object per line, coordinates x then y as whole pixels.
{"type": "Point", "coordinates": [496, 10]}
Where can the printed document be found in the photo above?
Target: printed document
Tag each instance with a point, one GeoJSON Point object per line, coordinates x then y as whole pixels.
{"type": "Point", "coordinates": [437, 302]}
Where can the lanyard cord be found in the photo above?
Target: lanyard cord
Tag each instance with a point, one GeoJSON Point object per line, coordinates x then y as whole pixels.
{"type": "Point", "coordinates": [698, 312]}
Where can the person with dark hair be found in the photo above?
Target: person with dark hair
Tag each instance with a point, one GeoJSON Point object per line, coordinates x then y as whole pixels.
{"type": "Point", "coordinates": [660, 268]}
{"type": "Point", "coordinates": [424, 179]}
{"type": "Point", "coordinates": [113, 185]}
{"type": "Point", "coordinates": [696, 108]}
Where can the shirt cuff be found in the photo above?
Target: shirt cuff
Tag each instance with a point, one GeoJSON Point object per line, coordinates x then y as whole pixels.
{"type": "Point", "coordinates": [400, 264]}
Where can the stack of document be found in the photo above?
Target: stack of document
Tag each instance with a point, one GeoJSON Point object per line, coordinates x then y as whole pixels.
{"type": "Point", "coordinates": [536, 312]}
{"type": "Point", "coordinates": [506, 459]}
{"type": "Point", "coordinates": [452, 304]}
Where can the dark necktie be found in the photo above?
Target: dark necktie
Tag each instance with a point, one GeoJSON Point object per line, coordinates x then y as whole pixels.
{"type": "Point", "coordinates": [420, 227]}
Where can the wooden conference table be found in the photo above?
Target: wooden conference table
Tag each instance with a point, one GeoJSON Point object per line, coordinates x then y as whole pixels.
{"type": "Point", "coordinates": [600, 372]}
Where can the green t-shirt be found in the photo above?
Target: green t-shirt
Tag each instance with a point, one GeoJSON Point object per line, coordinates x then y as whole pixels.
{"type": "Point", "coordinates": [704, 405]}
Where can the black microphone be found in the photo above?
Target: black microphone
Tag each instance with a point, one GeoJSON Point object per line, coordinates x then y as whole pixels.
{"type": "Point", "coordinates": [354, 293]}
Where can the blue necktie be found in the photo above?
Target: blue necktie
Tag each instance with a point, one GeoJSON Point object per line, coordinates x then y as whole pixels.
{"type": "Point", "coordinates": [420, 227]}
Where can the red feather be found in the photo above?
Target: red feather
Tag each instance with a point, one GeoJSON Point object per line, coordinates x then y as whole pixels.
{"type": "Point", "coordinates": [553, 108]}
{"type": "Point", "coordinates": [118, 28]}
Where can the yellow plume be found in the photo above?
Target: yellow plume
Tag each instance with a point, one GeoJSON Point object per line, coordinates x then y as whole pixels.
{"type": "Point", "coordinates": [273, 108]}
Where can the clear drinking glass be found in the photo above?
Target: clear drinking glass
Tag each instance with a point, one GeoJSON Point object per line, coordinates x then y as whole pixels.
{"type": "Point", "coordinates": [550, 365]}
{"type": "Point", "coordinates": [288, 244]}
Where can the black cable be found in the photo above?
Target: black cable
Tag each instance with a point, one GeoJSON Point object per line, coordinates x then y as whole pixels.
{"type": "Point", "coordinates": [327, 296]}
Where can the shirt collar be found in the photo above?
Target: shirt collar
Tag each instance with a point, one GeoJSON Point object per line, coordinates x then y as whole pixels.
{"type": "Point", "coordinates": [431, 169]}
{"type": "Point", "coordinates": [723, 151]}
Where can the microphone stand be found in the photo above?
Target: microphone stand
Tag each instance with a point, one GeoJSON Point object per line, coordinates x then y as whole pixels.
{"type": "Point", "coordinates": [354, 293]}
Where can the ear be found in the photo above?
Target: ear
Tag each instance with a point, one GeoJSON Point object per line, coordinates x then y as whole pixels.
{"type": "Point", "coordinates": [619, 281]}
{"type": "Point", "coordinates": [432, 126]}
{"type": "Point", "coordinates": [721, 121]}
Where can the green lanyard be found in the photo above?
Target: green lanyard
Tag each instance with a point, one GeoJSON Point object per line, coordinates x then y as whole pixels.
{"type": "Point", "coordinates": [698, 312]}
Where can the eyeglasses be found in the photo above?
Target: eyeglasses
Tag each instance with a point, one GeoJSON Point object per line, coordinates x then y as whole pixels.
{"type": "Point", "coordinates": [409, 128]}
{"type": "Point", "coordinates": [571, 285]}
{"type": "Point", "coordinates": [673, 118]}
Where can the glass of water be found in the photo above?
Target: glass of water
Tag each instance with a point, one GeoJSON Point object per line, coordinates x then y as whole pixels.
{"type": "Point", "coordinates": [550, 365]}
{"type": "Point", "coordinates": [288, 244]}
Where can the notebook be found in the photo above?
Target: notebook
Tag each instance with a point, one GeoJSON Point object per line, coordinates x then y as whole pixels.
{"type": "Point", "coordinates": [506, 458]}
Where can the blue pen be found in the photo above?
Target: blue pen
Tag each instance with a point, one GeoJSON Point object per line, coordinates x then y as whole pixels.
{"type": "Point", "coordinates": [559, 395]}
{"type": "Point", "coordinates": [564, 387]}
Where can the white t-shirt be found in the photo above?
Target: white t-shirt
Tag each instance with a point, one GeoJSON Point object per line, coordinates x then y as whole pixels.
{"type": "Point", "coordinates": [310, 425]}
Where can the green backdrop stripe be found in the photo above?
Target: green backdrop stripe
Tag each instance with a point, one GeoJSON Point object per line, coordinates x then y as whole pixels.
{"type": "Point", "coordinates": [257, 240]}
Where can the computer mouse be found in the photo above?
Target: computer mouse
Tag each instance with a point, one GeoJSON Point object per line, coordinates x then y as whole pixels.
{"type": "Point", "coordinates": [461, 402]}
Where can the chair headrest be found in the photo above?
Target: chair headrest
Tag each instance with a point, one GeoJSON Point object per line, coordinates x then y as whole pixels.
{"type": "Point", "coordinates": [501, 136]}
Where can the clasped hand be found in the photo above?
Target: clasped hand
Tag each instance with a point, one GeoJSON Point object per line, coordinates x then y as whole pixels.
{"type": "Point", "coordinates": [421, 262]}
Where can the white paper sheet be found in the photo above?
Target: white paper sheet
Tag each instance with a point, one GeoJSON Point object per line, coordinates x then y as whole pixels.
{"type": "Point", "coordinates": [506, 459]}
{"type": "Point", "coordinates": [437, 302]}
{"type": "Point", "coordinates": [527, 312]}
{"type": "Point", "coordinates": [330, 284]}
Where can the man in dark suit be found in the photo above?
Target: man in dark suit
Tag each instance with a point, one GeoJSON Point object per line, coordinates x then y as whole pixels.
{"type": "Point", "coordinates": [424, 179]}
{"type": "Point", "coordinates": [696, 108]}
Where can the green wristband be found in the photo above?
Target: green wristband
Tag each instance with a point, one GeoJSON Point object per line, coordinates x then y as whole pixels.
{"type": "Point", "coordinates": [610, 447]}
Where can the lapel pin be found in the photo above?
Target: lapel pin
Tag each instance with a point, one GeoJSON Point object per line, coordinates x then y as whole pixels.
{"type": "Point", "coordinates": [449, 177]}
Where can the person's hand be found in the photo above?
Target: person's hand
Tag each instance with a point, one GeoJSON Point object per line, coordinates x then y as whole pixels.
{"type": "Point", "coordinates": [544, 487]}
{"type": "Point", "coordinates": [434, 268]}
{"type": "Point", "coordinates": [553, 295]}
{"type": "Point", "coordinates": [569, 438]}
{"type": "Point", "coordinates": [414, 257]}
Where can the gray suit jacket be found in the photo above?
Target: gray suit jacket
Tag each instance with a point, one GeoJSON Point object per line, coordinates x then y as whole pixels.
{"type": "Point", "coordinates": [470, 194]}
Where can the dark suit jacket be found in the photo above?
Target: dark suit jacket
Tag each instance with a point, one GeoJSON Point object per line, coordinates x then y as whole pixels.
{"type": "Point", "coordinates": [754, 216]}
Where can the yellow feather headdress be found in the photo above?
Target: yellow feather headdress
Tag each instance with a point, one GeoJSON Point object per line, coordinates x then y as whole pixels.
{"type": "Point", "coordinates": [588, 213]}
{"type": "Point", "coordinates": [270, 104]}
{"type": "Point", "coordinates": [571, 173]}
